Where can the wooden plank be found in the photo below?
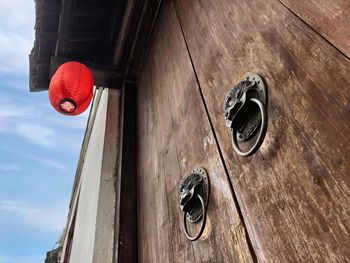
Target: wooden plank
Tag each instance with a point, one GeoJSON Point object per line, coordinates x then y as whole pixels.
{"type": "Point", "coordinates": [69, 239]}
{"type": "Point", "coordinates": [87, 37]}
{"type": "Point", "coordinates": [67, 235]}
{"type": "Point", "coordinates": [64, 27]}
{"type": "Point", "coordinates": [105, 220]}
{"type": "Point", "coordinates": [90, 124]}
{"type": "Point", "coordinates": [104, 76]}
{"type": "Point", "coordinates": [92, 12]}
{"type": "Point", "coordinates": [47, 36]}
{"type": "Point", "coordinates": [134, 36]}
{"type": "Point", "coordinates": [126, 34]}
{"type": "Point", "coordinates": [85, 229]}
{"type": "Point", "coordinates": [142, 37]}
{"type": "Point", "coordinates": [330, 18]}
{"type": "Point", "coordinates": [295, 192]}
{"type": "Point", "coordinates": [94, 197]}
{"type": "Point", "coordinates": [174, 137]}
{"type": "Point", "coordinates": [126, 244]}
{"type": "Point", "coordinates": [40, 86]}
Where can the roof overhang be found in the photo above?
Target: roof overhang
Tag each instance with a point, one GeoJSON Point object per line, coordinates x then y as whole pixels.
{"type": "Point", "coordinates": [109, 36]}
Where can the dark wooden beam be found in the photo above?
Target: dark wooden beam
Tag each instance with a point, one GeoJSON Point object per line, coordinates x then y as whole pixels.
{"type": "Point", "coordinates": [104, 76]}
{"type": "Point", "coordinates": [87, 37]}
{"type": "Point", "coordinates": [50, 8]}
{"type": "Point", "coordinates": [65, 27]}
{"type": "Point", "coordinates": [126, 223]}
{"type": "Point", "coordinates": [115, 27]}
{"type": "Point", "coordinates": [45, 36]}
{"type": "Point", "coordinates": [127, 32]}
{"type": "Point", "coordinates": [92, 12]}
{"type": "Point", "coordinates": [40, 86]}
{"type": "Point", "coordinates": [142, 36]}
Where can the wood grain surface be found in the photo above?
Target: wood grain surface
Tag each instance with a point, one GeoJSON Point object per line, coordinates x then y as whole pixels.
{"type": "Point", "coordinates": [295, 192]}
{"type": "Point", "coordinates": [174, 137]}
{"type": "Point", "coordinates": [330, 18]}
{"type": "Point", "coordinates": [126, 215]}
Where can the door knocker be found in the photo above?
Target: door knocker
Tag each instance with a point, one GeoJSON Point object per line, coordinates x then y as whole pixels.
{"type": "Point", "coordinates": [194, 197]}
{"type": "Point", "coordinates": [245, 112]}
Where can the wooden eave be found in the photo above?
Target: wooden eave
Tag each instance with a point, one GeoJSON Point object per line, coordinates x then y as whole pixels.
{"type": "Point", "coordinates": [109, 36]}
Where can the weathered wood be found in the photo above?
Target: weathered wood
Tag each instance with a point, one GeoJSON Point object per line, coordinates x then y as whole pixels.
{"type": "Point", "coordinates": [295, 192]}
{"type": "Point", "coordinates": [127, 29]}
{"type": "Point", "coordinates": [64, 27]}
{"type": "Point", "coordinates": [86, 140]}
{"type": "Point", "coordinates": [93, 202]}
{"type": "Point", "coordinates": [87, 37]}
{"type": "Point", "coordinates": [330, 18]}
{"type": "Point", "coordinates": [104, 76]}
{"type": "Point", "coordinates": [105, 220]}
{"type": "Point", "coordinates": [87, 207]}
{"type": "Point", "coordinates": [174, 137]}
{"type": "Point", "coordinates": [69, 238]}
{"type": "Point", "coordinates": [68, 233]}
{"type": "Point", "coordinates": [126, 241]}
{"type": "Point", "coordinates": [133, 37]}
{"type": "Point", "coordinates": [142, 37]}
{"type": "Point", "coordinates": [92, 12]}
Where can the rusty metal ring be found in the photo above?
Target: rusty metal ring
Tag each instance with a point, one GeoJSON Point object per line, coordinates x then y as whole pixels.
{"type": "Point", "coordinates": [204, 216]}
{"type": "Point", "coordinates": [262, 132]}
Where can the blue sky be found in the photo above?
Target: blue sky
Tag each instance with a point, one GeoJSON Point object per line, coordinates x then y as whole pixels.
{"type": "Point", "coordinates": [39, 148]}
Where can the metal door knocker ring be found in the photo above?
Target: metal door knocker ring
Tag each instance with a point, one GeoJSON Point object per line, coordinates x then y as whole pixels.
{"type": "Point", "coordinates": [245, 112]}
{"type": "Point", "coordinates": [194, 196]}
{"type": "Point", "coordinates": [204, 216]}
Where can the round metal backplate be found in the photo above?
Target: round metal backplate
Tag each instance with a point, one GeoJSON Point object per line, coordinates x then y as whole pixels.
{"type": "Point", "coordinates": [196, 213]}
{"type": "Point", "coordinates": [254, 119]}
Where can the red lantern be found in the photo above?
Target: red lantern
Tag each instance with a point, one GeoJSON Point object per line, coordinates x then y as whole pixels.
{"type": "Point", "coordinates": [71, 88]}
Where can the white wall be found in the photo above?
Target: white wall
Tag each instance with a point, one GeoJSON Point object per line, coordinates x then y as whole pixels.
{"type": "Point", "coordinates": [94, 227]}
{"type": "Point", "coordinates": [84, 233]}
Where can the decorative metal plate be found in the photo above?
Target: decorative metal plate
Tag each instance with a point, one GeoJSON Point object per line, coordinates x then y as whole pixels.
{"type": "Point", "coordinates": [197, 182]}
{"type": "Point", "coordinates": [246, 121]}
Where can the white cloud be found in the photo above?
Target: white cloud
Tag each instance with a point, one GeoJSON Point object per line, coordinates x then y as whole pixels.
{"type": "Point", "coordinates": [18, 111]}
{"type": "Point", "coordinates": [10, 167]}
{"type": "Point", "coordinates": [17, 13]}
{"type": "Point", "coordinates": [48, 162]}
{"type": "Point", "coordinates": [44, 136]}
{"type": "Point", "coordinates": [70, 122]}
{"type": "Point", "coordinates": [16, 35]}
{"type": "Point", "coordinates": [39, 159]}
{"type": "Point", "coordinates": [10, 111]}
{"type": "Point", "coordinates": [50, 218]}
{"type": "Point", "coordinates": [11, 114]}
{"type": "Point", "coordinates": [42, 127]}
{"type": "Point", "coordinates": [14, 51]}
{"type": "Point", "coordinates": [26, 118]}
{"type": "Point", "coordinates": [6, 258]}
{"type": "Point", "coordinates": [37, 134]}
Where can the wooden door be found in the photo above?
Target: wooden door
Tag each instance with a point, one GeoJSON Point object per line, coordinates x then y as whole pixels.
{"type": "Point", "coordinates": [174, 137]}
{"type": "Point", "coordinates": [293, 195]}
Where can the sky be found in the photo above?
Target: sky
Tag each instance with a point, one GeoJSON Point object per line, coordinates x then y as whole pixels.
{"type": "Point", "coordinates": [39, 148]}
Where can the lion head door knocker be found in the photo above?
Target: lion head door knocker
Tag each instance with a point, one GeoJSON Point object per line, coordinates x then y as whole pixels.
{"type": "Point", "coordinates": [194, 196]}
{"type": "Point", "coordinates": [245, 112]}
